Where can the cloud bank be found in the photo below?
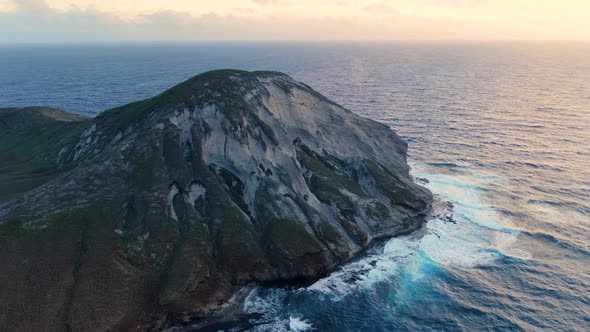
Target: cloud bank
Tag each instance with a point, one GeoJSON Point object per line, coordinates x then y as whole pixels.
{"type": "Point", "coordinates": [36, 21]}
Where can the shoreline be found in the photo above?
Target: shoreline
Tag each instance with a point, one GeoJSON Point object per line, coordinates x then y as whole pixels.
{"type": "Point", "coordinates": [231, 313]}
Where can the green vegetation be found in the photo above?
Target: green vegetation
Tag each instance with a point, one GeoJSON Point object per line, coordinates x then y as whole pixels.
{"type": "Point", "coordinates": [286, 240]}
{"type": "Point", "coordinates": [188, 267]}
{"type": "Point", "coordinates": [334, 239]}
{"type": "Point", "coordinates": [329, 194]}
{"type": "Point", "coordinates": [329, 172]}
{"type": "Point", "coordinates": [355, 232]}
{"type": "Point", "coordinates": [393, 187]}
{"type": "Point", "coordinates": [378, 210]}
{"type": "Point", "coordinates": [236, 245]}
{"type": "Point", "coordinates": [293, 249]}
{"type": "Point", "coordinates": [119, 118]}
{"type": "Point", "coordinates": [30, 143]}
{"type": "Point", "coordinates": [234, 186]}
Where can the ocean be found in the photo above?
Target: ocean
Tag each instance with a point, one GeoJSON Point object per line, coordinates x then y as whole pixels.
{"type": "Point", "coordinates": [500, 132]}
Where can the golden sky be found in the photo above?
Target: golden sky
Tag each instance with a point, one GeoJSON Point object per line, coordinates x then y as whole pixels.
{"type": "Point", "coordinates": [48, 20]}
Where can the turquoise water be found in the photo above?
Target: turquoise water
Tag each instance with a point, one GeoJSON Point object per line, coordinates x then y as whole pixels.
{"type": "Point", "coordinates": [501, 131]}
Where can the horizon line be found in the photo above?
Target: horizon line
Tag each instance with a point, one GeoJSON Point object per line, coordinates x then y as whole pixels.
{"type": "Point", "coordinates": [373, 41]}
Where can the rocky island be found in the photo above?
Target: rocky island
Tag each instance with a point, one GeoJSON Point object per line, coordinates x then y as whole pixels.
{"type": "Point", "coordinates": [168, 206]}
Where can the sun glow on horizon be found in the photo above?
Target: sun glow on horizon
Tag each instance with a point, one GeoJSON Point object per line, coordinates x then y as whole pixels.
{"type": "Point", "coordinates": [40, 20]}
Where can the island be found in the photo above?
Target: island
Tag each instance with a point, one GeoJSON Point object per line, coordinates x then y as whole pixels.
{"type": "Point", "coordinates": [159, 211]}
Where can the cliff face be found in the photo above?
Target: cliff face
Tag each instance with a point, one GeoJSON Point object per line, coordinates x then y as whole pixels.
{"type": "Point", "coordinates": [173, 203]}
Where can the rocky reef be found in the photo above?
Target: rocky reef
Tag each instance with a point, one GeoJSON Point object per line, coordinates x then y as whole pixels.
{"type": "Point", "coordinates": [166, 207]}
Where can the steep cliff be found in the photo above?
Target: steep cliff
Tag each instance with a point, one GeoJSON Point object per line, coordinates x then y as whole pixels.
{"type": "Point", "coordinates": [171, 204]}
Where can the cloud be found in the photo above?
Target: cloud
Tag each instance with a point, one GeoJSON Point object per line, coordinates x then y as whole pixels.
{"type": "Point", "coordinates": [245, 10]}
{"type": "Point", "coordinates": [36, 7]}
{"type": "Point", "coordinates": [380, 9]}
{"type": "Point", "coordinates": [461, 3]}
{"type": "Point", "coordinates": [34, 21]}
{"type": "Point", "coordinates": [273, 2]}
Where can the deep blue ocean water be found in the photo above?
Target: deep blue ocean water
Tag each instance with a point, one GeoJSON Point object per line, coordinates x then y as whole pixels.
{"type": "Point", "coordinates": [501, 130]}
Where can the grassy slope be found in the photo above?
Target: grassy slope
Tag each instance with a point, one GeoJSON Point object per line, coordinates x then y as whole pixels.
{"type": "Point", "coordinates": [30, 141]}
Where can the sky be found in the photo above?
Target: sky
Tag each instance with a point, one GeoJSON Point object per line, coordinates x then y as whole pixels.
{"type": "Point", "coordinates": [47, 21]}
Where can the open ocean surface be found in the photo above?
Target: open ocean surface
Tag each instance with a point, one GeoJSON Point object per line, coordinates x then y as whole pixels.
{"type": "Point", "coordinates": [501, 130]}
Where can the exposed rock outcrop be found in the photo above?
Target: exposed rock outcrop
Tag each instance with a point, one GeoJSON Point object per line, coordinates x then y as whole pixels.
{"type": "Point", "coordinates": [170, 204]}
